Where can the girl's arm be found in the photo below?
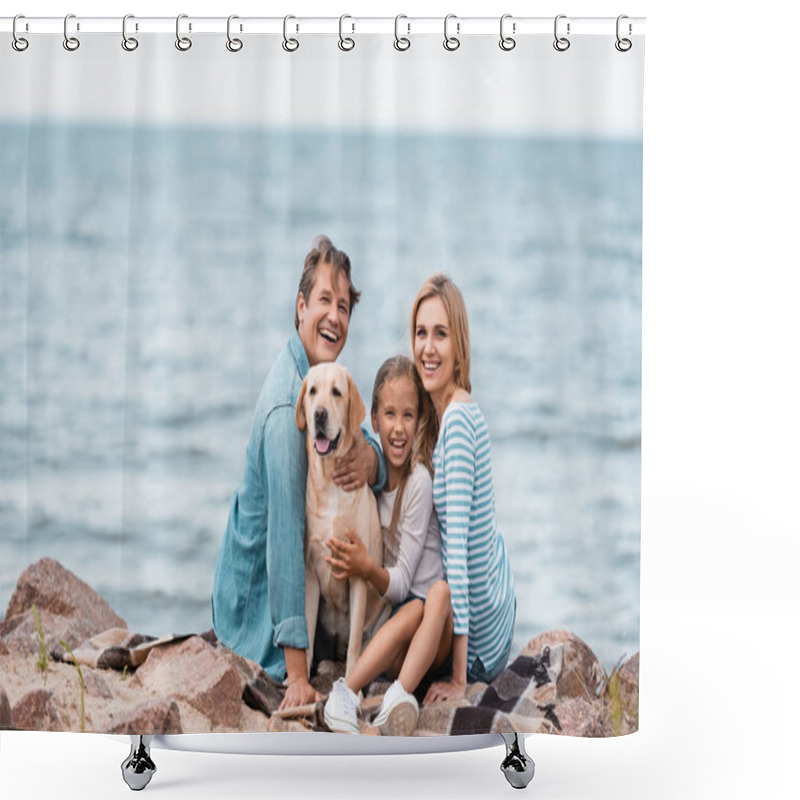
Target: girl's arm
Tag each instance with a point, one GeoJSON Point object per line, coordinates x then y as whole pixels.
{"type": "Point", "coordinates": [456, 687]}
{"type": "Point", "coordinates": [349, 558]}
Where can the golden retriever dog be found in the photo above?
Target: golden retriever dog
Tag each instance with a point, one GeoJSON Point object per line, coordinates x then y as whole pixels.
{"type": "Point", "coordinates": [331, 410]}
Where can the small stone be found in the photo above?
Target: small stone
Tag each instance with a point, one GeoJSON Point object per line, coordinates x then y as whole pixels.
{"type": "Point", "coordinates": [96, 686]}
{"type": "Point", "coordinates": [36, 712]}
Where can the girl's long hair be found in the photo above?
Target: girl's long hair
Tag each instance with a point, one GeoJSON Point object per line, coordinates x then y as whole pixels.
{"type": "Point", "coordinates": [392, 368]}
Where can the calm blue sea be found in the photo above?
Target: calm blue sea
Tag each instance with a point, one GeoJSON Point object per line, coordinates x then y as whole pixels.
{"type": "Point", "coordinates": [148, 282]}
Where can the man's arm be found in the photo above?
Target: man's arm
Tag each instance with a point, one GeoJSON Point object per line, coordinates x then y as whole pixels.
{"type": "Point", "coordinates": [285, 469]}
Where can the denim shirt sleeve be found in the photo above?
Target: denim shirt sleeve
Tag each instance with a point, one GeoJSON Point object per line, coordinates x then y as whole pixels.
{"type": "Point", "coordinates": [380, 478]}
{"type": "Point", "coordinates": [285, 470]}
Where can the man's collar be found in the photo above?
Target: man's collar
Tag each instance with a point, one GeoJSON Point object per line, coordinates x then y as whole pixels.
{"type": "Point", "coordinates": [299, 353]}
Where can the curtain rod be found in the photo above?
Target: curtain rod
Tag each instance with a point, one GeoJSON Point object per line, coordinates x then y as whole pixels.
{"type": "Point", "coordinates": [461, 26]}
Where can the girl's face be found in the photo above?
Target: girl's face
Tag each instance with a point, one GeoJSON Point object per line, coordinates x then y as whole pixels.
{"type": "Point", "coordinates": [434, 354]}
{"type": "Point", "coordinates": [395, 421]}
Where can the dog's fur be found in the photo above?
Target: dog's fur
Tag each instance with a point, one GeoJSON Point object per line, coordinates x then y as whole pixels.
{"type": "Point", "coordinates": [330, 408]}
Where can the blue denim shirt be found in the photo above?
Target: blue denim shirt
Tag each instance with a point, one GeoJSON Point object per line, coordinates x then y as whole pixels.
{"type": "Point", "coordinates": [258, 603]}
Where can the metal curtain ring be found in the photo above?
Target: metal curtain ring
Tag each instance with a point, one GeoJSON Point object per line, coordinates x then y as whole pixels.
{"type": "Point", "coordinates": [345, 43]}
{"type": "Point", "coordinates": [401, 42]}
{"type": "Point", "coordinates": [506, 42]}
{"type": "Point", "coordinates": [70, 42]}
{"type": "Point", "coordinates": [623, 45]}
{"type": "Point", "coordinates": [234, 45]}
{"type": "Point", "coordinates": [451, 42]}
{"type": "Point", "coordinates": [561, 43]}
{"type": "Point", "coordinates": [183, 43]}
{"type": "Point", "coordinates": [290, 45]}
{"type": "Point", "coordinates": [18, 42]}
{"type": "Point", "coordinates": [129, 43]}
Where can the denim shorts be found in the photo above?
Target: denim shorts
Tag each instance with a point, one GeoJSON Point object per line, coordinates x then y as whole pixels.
{"type": "Point", "coordinates": [408, 600]}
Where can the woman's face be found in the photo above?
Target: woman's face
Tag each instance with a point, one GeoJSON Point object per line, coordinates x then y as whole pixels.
{"type": "Point", "coordinates": [434, 354]}
{"type": "Point", "coordinates": [395, 421]}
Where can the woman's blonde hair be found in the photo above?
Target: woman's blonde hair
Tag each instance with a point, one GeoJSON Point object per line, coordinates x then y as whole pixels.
{"type": "Point", "coordinates": [441, 286]}
{"type": "Point", "coordinates": [391, 369]}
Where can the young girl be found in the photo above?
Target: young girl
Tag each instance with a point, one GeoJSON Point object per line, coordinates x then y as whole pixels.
{"type": "Point", "coordinates": [418, 637]}
{"type": "Point", "coordinates": [474, 553]}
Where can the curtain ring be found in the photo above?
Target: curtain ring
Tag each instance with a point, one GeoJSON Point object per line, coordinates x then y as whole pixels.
{"type": "Point", "coordinates": [346, 43]}
{"type": "Point", "coordinates": [561, 43]}
{"type": "Point", "coordinates": [18, 42]}
{"type": "Point", "coordinates": [401, 42]}
{"type": "Point", "coordinates": [289, 45]}
{"type": "Point", "coordinates": [129, 43]}
{"type": "Point", "coordinates": [70, 42]}
{"type": "Point", "coordinates": [183, 43]}
{"type": "Point", "coordinates": [451, 42]}
{"type": "Point", "coordinates": [506, 42]}
{"type": "Point", "coordinates": [623, 45]}
{"type": "Point", "coordinates": [234, 45]}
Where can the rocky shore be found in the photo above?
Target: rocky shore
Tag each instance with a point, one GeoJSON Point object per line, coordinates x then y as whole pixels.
{"type": "Point", "coordinates": [68, 663]}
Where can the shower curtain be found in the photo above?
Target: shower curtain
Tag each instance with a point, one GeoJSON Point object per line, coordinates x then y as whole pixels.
{"type": "Point", "coordinates": [158, 205]}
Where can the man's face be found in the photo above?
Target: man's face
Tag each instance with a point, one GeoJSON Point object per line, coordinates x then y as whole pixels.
{"type": "Point", "coordinates": [325, 317]}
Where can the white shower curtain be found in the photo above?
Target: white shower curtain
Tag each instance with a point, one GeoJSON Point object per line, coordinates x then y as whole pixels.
{"type": "Point", "coordinates": [157, 206]}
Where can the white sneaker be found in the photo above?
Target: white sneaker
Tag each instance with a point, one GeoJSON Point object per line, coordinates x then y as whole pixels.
{"type": "Point", "coordinates": [399, 712]}
{"type": "Point", "coordinates": [341, 708]}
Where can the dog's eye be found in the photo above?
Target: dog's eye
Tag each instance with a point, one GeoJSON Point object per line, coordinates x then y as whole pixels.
{"type": "Point", "coordinates": [312, 391]}
{"type": "Point", "coordinates": [336, 392]}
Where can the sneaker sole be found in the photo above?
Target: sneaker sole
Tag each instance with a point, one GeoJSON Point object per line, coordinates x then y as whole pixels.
{"type": "Point", "coordinates": [344, 728]}
{"type": "Point", "coordinates": [402, 721]}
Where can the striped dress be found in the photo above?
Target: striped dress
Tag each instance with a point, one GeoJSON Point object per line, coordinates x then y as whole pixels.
{"type": "Point", "coordinates": [473, 551]}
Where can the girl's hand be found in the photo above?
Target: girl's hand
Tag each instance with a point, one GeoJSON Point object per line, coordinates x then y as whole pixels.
{"type": "Point", "coordinates": [349, 557]}
{"type": "Point", "coordinates": [444, 691]}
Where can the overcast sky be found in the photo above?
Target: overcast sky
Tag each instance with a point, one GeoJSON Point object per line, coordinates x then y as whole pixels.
{"type": "Point", "coordinates": [590, 89]}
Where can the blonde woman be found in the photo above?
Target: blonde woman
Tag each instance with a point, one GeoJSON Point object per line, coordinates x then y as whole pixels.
{"type": "Point", "coordinates": [474, 554]}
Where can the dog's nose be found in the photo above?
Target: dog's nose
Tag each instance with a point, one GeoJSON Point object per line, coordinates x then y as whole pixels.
{"type": "Point", "coordinates": [321, 416]}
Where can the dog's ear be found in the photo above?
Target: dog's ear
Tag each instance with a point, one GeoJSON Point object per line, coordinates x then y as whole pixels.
{"type": "Point", "coordinates": [357, 410]}
{"type": "Point", "coordinates": [300, 408]}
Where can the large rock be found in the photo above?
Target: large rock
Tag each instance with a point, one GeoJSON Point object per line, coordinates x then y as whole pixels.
{"type": "Point", "coordinates": [157, 716]}
{"type": "Point", "coordinates": [36, 712]}
{"type": "Point", "coordinates": [69, 609]}
{"type": "Point", "coordinates": [261, 693]}
{"type": "Point", "coordinates": [197, 673]}
{"type": "Point", "coordinates": [580, 717]}
{"type": "Point", "coordinates": [581, 672]}
{"type": "Point", "coordinates": [621, 696]}
{"type": "Point", "coordinates": [5, 709]}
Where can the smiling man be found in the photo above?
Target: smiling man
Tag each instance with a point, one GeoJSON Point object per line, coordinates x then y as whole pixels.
{"type": "Point", "coordinates": [258, 603]}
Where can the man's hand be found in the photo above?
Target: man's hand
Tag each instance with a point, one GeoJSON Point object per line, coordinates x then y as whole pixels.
{"type": "Point", "coordinates": [358, 468]}
{"type": "Point", "coordinates": [299, 693]}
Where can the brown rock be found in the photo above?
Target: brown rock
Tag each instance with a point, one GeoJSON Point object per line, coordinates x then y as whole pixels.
{"type": "Point", "coordinates": [151, 717]}
{"type": "Point", "coordinates": [580, 717]}
{"type": "Point", "coordinates": [36, 712]}
{"type": "Point", "coordinates": [5, 709]}
{"type": "Point", "coordinates": [196, 672]}
{"type": "Point", "coordinates": [4, 651]}
{"type": "Point", "coordinates": [581, 671]}
{"type": "Point", "coordinates": [629, 682]}
{"type": "Point", "coordinates": [261, 693]}
{"type": "Point", "coordinates": [621, 696]}
{"type": "Point", "coordinates": [69, 609]}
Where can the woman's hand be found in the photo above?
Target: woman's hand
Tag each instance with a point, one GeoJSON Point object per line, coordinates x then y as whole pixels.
{"type": "Point", "coordinates": [358, 468]}
{"type": "Point", "coordinates": [349, 557]}
{"type": "Point", "coordinates": [444, 691]}
{"type": "Point", "coordinates": [299, 693]}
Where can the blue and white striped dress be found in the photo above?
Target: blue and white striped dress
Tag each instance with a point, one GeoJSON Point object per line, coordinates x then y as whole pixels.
{"type": "Point", "coordinates": [473, 551]}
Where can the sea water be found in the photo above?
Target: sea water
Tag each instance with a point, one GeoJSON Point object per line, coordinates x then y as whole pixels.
{"type": "Point", "coordinates": [148, 282]}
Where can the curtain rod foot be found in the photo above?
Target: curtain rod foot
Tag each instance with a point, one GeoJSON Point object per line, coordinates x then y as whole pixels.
{"type": "Point", "coordinates": [138, 768]}
{"type": "Point", "coordinates": [518, 766]}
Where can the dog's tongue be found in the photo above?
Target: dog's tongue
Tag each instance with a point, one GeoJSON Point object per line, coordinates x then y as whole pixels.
{"type": "Point", "coordinates": [322, 444]}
